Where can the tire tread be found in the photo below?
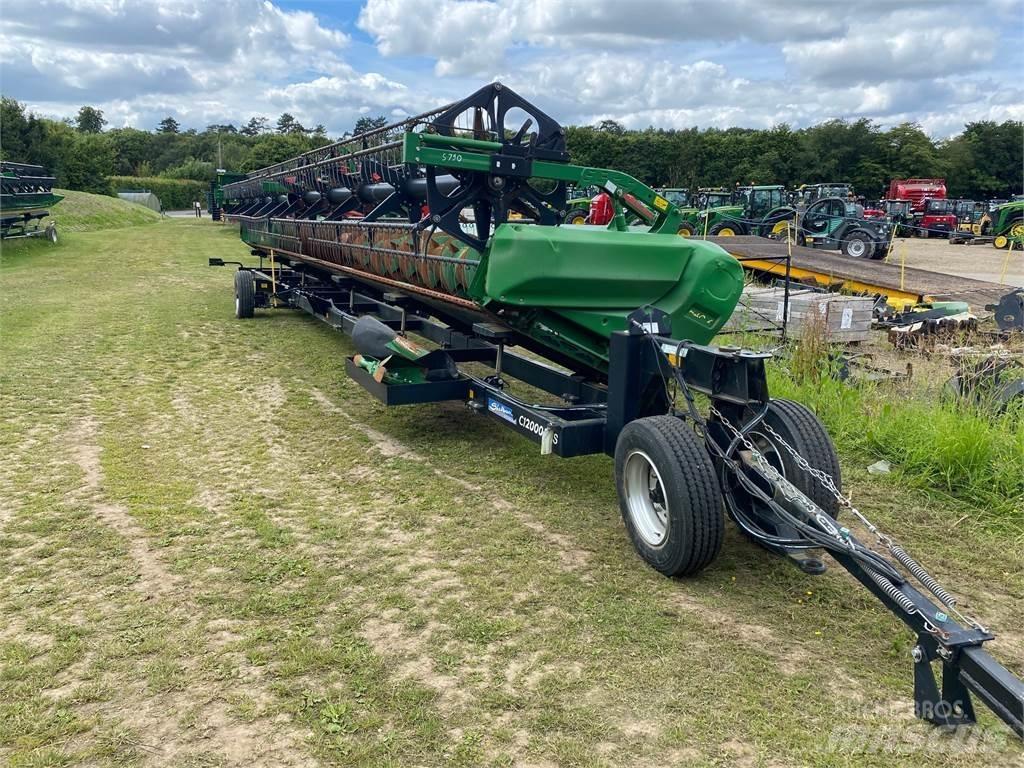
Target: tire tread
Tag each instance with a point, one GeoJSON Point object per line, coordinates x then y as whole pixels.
{"type": "Point", "coordinates": [703, 500]}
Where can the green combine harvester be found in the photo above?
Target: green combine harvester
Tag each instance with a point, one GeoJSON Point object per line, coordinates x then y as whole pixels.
{"type": "Point", "coordinates": [26, 195]}
{"type": "Point", "coordinates": [440, 245]}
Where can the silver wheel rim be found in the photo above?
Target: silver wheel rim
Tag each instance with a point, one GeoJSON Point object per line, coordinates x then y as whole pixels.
{"type": "Point", "coordinates": [856, 248]}
{"type": "Point", "coordinates": [238, 307]}
{"type": "Point", "coordinates": [645, 498]}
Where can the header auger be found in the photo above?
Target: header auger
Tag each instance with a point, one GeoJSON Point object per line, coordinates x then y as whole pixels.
{"type": "Point", "coordinates": [447, 227]}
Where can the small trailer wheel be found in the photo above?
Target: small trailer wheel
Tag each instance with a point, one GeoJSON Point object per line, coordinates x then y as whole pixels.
{"type": "Point", "coordinates": [51, 233]}
{"type": "Point", "coordinates": [245, 294]}
{"type": "Point", "coordinates": [799, 427]}
{"type": "Point", "coordinates": [669, 495]}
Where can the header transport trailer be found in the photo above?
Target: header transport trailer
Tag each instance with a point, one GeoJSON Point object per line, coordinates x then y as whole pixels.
{"type": "Point", "coordinates": [403, 238]}
{"type": "Point", "coordinates": [26, 194]}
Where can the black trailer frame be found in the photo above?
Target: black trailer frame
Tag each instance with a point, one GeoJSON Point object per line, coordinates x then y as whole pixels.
{"type": "Point", "coordinates": [595, 414]}
{"type": "Point", "coordinates": [28, 224]}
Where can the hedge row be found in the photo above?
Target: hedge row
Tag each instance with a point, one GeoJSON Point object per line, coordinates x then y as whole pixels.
{"type": "Point", "coordinates": [174, 194]}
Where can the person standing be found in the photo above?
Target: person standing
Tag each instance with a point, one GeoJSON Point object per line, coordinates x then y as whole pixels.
{"type": "Point", "coordinates": [198, 209]}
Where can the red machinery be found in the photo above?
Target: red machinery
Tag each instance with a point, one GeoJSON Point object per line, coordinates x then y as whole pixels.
{"type": "Point", "coordinates": [916, 191]}
{"type": "Point", "coordinates": [601, 210]}
{"type": "Point", "coordinates": [937, 218]}
{"type": "Point", "coordinates": [932, 215]}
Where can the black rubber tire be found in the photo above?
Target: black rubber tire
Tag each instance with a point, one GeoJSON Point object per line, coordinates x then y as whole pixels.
{"type": "Point", "coordinates": [576, 213]}
{"type": "Point", "coordinates": [859, 236]}
{"type": "Point", "coordinates": [686, 229]}
{"type": "Point", "coordinates": [696, 522]}
{"type": "Point", "coordinates": [51, 234]}
{"type": "Point", "coordinates": [245, 294]}
{"type": "Point", "coordinates": [804, 431]}
{"type": "Point", "coordinates": [736, 228]}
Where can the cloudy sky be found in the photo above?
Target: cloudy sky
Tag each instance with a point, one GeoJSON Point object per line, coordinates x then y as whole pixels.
{"type": "Point", "coordinates": [671, 63]}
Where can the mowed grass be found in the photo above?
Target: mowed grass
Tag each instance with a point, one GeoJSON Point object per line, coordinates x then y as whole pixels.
{"type": "Point", "coordinates": [215, 550]}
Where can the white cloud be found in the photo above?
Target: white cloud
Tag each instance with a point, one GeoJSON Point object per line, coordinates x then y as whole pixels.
{"type": "Point", "coordinates": [669, 63]}
{"type": "Point", "coordinates": [471, 36]}
{"type": "Point", "coordinates": [911, 45]}
{"type": "Point", "coordinates": [98, 51]}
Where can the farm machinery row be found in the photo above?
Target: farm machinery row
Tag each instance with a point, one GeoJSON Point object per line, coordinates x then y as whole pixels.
{"type": "Point", "coordinates": [440, 245]}
{"type": "Point", "coordinates": [817, 216]}
{"type": "Point", "coordinates": [828, 215]}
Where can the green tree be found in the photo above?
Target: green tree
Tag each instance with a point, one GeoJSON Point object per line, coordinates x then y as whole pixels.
{"type": "Point", "coordinates": [910, 152]}
{"type": "Point", "coordinates": [132, 149]}
{"type": "Point", "coordinates": [14, 123]}
{"type": "Point", "coordinates": [89, 163]}
{"type": "Point", "coordinates": [254, 127]}
{"type": "Point", "coordinates": [610, 126]}
{"type": "Point", "coordinates": [168, 125]}
{"type": "Point", "coordinates": [190, 169]}
{"type": "Point", "coordinates": [364, 124]}
{"type": "Point", "coordinates": [90, 120]}
{"type": "Point", "coordinates": [287, 124]}
{"type": "Point", "coordinates": [273, 148]}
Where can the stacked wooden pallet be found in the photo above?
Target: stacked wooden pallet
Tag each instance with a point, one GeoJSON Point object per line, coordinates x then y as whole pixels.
{"type": "Point", "coordinates": [841, 318]}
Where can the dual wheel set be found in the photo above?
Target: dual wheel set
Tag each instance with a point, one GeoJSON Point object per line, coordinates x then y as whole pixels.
{"type": "Point", "coordinates": [673, 495]}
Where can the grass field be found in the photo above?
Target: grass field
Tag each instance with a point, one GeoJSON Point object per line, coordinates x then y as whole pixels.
{"type": "Point", "coordinates": [215, 550]}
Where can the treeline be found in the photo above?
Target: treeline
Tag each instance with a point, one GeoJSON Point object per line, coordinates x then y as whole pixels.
{"type": "Point", "coordinates": [984, 161]}
{"type": "Point", "coordinates": [82, 155]}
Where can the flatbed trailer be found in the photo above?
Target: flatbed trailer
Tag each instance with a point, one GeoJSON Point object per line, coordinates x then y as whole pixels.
{"type": "Point", "coordinates": [901, 286]}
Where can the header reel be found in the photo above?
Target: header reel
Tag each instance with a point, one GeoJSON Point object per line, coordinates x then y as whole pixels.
{"type": "Point", "coordinates": [515, 133]}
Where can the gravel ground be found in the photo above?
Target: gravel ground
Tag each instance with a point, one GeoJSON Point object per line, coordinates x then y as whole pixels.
{"type": "Point", "coordinates": [980, 262]}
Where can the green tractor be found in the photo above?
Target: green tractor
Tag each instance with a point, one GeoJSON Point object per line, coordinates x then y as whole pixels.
{"type": "Point", "coordinates": [1008, 224]}
{"type": "Point", "coordinates": [757, 210]}
{"type": "Point", "coordinates": [577, 205]}
{"type": "Point", "coordinates": [690, 221]}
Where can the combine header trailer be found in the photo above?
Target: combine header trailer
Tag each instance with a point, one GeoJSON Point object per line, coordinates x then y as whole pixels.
{"type": "Point", "coordinates": [26, 192]}
{"type": "Point", "coordinates": [447, 227]}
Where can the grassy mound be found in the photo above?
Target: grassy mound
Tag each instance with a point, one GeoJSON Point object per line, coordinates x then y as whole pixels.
{"type": "Point", "coordinates": [83, 212]}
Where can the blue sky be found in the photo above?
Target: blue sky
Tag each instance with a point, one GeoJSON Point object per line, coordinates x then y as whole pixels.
{"type": "Point", "coordinates": [643, 62]}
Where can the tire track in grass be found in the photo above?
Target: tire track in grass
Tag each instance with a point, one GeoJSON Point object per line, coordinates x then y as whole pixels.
{"type": "Point", "coordinates": [154, 580]}
{"type": "Point", "coordinates": [253, 744]}
{"type": "Point", "coordinates": [755, 635]}
{"type": "Point", "coordinates": [524, 674]}
{"type": "Point", "coordinates": [573, 557]}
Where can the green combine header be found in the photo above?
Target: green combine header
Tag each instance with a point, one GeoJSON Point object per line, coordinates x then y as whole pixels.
{"type": "Point", "coordinates": [436, 207]}
{"type": "Point", "coordinates": [440, 244]}
{"type": "Point", "coordinates": [26, 195]}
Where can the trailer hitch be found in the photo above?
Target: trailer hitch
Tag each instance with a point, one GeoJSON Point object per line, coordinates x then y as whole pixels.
{"type": "Point", "coordinates": [782, 518]}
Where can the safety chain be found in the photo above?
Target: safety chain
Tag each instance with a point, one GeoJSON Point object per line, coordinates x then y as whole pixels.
{"type": "Point", "coordinates": [826, 481]}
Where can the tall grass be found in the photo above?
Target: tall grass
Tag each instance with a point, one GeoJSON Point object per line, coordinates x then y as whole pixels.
{"type": "Point", "coordinates": [966, 451]}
